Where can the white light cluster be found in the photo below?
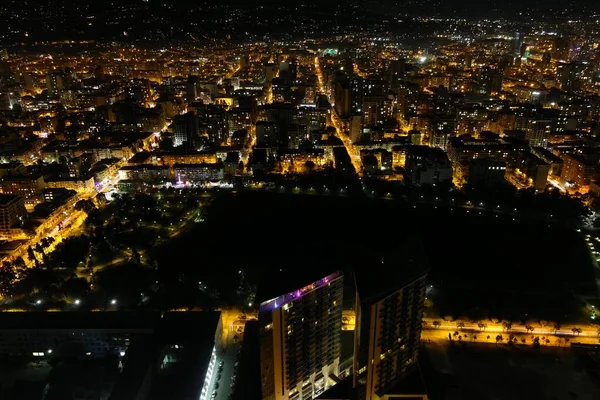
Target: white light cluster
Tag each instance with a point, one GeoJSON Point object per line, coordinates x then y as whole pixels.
{"type": "Point", "coordinates": [209, 374]}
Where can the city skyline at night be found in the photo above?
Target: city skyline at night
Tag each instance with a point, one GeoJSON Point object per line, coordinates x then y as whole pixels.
{"type": "Point", "coordinates": [357, 200]}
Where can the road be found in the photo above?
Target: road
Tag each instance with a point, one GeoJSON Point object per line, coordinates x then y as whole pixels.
{"type": "Point", "coordinates": [562, 336]}
{"type": "Point", "coordinates": [233, 325]}
{"type": "Point", "coordinates": [336, 122]}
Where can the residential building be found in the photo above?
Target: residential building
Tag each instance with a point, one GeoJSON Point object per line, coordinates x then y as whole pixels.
{"type": "Point", "coordinates": [483, 172]}
{"type": "Point", "coordinates": [31, 188]}
{"type": "Point", "coordinates": [390, 298]}
{"type": "Point", "coordinates": [12, 214]}
{"type": "Point", "coordinates": [196, 173]}
{"type": "Point", "coordinates": [145, 173]}
{"type": "Point", "coordinates": [577, 169]}
{"type": "Point", "coordinates": [300, 322]}
{"type": "Point", "coordinates": [427, 165]}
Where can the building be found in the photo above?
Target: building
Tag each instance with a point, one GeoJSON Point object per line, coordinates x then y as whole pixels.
{"type": "Point", "coordinates": [45, 335]}
{"type": "Point", "coordinates": [483, 172]}
{"type": "Point", "coordinates": [172, 356]}
{"type": "Point", "coordinates": [296, 159]}
{"type": "Point", "coordinates": [55, 83]}
{"type": "Point", "coordinates": [464, 149]}
{"type": "Point", "coordinates": [427, 165]}
{"type": "Point", "coordinates": [12, 214]}
{"type": "Point", "coordinates": [537, 170]}
{"type": "Point", "coordinates": [577, 170]}
{"type": "Point", "coordinates": [80, 185]}
{"type": "Point", "coordinates": [145, 173]}
{"type": "Point", "coordinates": [268, 133]}
{"type": "Point", "coordinates": [186, 129]}
{"type": "Point", "coordinates": [550, 158]}
{"type": "Point", "coordinates": [390, 297]}
{"type": "Point", "coordinates": [196, 173]}
{"type": "Point", "coordinates": [198, 157]}
{"type": "Point", "coordinates": [31, 188]}
{"type": "Point", "coordinates": [537, 133]}
{"type": "Point", "coordinates": [300, 323]}
{"type": "Point", "coordinates": [106, 170]}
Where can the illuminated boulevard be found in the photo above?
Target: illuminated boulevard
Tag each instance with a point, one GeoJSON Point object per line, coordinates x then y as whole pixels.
{"type": "Point", "coordinates": [337, 124]}
{"type": "Point", "coordinates": [490, 331]}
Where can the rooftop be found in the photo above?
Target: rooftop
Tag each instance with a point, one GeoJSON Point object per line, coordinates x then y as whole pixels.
{"type": "Point", "coordinates": [78, 320]}
{"type": "Point", "coordinates": [376, 279]}
{"type": "Point", "coordinates": [5, 199]}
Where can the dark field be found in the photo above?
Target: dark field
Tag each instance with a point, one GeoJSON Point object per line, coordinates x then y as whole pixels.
{"type": "Point", "coordinates": [481, 263]}
{"type": "Point", "coordinates": [485, 372]}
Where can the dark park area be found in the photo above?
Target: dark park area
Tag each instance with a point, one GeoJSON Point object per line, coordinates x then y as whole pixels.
{"type": "Point", "coordinates": [488, 263]}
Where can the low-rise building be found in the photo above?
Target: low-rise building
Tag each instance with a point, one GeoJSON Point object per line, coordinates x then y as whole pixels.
{"type": "Point", "coordinates": [196, 173]}
{"type": "Point", "coordinates": [12, 215]}
{"type": "Point", "coordinates": [145, 173]}
{"type": "Point", "coordinates": [296, 159]}
{"type": "Point", "coordinates": [537, 170]}
{"type": "Point", "coordinates": [80, 185]}
{"type": "Point", "coordinates": [196, 157]}
{"type": "Point", "coordinates": [31, 188]}
{"type": "Point", "coordinates": [577, 169]}
{"type": "Point", "coordinates": [483, 172]}
{"type": "Point", "coordinates": [427, 165]}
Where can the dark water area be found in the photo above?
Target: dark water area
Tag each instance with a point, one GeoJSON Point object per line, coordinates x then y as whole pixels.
{"type": "Point", "coordinates": [487, 254]}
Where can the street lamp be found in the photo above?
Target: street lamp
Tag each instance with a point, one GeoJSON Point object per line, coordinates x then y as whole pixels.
{"type": "Point", "coordinates": [77, 301]}
{"type": "Point", "coordinates": [113, 302]}
{"type": "Point", "coordinates": [38, 302]}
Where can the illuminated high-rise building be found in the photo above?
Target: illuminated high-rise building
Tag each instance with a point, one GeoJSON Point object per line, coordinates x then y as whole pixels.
{"type": "Point", "coordinates": [390, 298]}
{"type": "Point", "coordinates": [54, 83]}
{"type": "Point", "coordinates": [300, 337]}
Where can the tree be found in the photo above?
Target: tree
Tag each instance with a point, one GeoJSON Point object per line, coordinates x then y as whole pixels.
{"type": "Point", "coordinates": [19, 263]}
{"type": "Point", "coordinates": [529, 328]}
{"type": "Point", "coordinates": [85, 205]}
{"type": "Point", "coordinates": [556, 327]}
{"type": "Point", "coordinates": [523, 340]}
{"type": "Point", "coordinates": [7, 277]}
{"type": "Point", "coordinates": [460, 324]}
{"type": "Point", "coordinates": [166, 143]}
{"type": "Point", "coordinates": [135, 256]}
{"type": "Point", "coordinates": [75, 287]}
{"type": "Point", "coordinates": [576, 330]}
{"type": "Point", "coordinates": [309, 165]}
{"type": "Point", "coordinates": [436, 324]}
{"type": "Point", "coordinates": [506, 325]}
{"type": "Point", "coordinates": [30, 253]}
{"type": "Point", "coordinates": [499, 339]}
{"type": "Point", "coordinates": [481, 326]}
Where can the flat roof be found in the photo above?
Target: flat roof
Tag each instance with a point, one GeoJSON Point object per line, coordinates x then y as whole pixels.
{"type": "Point", "coordinates": [288, 279]}
{"type": "Point", "coordinates": [7, 198]}
{"type": "Point", "coordinates": [78, 320]}
{"type": "Point", "coordinates": [381, 275]}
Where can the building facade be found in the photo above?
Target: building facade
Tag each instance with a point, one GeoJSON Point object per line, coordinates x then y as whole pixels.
{"type": "Point", "coordinates": [300, 340]}
{"type": "Point", "coordinates": [388, 331]}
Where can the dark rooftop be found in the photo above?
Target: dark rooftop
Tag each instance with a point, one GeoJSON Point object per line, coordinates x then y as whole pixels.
{"type": "Point", "coordinates": [289, 278]}
{"type": "Point", "coordinates": [7, 198]}
{"type": "Point", "coordinates": [78, 320]}
{"type": "Point", "coordinates": [376, 279]}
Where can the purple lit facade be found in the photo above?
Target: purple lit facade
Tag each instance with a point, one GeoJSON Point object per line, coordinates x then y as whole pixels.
{"type": "Point", "coordinates": [277, 302]}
